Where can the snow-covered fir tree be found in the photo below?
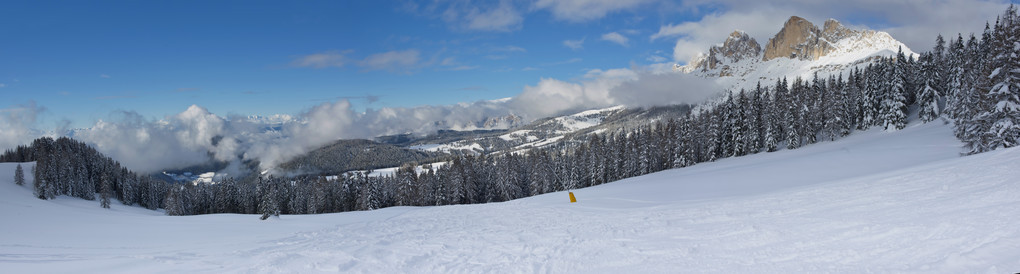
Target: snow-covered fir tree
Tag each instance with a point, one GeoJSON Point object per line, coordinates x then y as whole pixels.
{"type": "Point", "coordinates": [19, 175]}
{"type": "Point", "coordinates": [929, 97]}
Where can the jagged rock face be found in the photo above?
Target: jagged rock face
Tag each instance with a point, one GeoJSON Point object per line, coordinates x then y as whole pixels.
{"type": "Point", "coordinates": [738, 46]}
{"type": "Point", "coordinates": [800, 39]}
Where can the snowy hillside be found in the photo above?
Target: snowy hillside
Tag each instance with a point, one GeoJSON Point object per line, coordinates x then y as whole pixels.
{"type": "Point", "coordinates": [873, 202]}
{"type": "Point", "coordinates": [536, 134]}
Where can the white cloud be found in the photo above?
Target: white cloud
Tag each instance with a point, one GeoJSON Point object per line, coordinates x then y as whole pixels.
{"type": "Point", "coordinates": [395, 61]}
{"type": "Point", "coordinates": [574, 44]}
{"type": "Point", "coordinates": [586, 10]}
{"type": "Point", "coordinates": [656, 59]}
{"type": "Point", "coordinates": [469, 15]}
{"type": "Point", "coordinates": [616, 37]}
{"type": "Point", "coordinates": [2, 85]}
{"type": "Point", "coordinates": [16, 124]}
{"type": "Point", "coordinates": [500, 18]}
{"type": "Point", "coordinates": [322, 124]}
{"type": "Point", "coordinates": [141, 145]}
{"type": "Point", "coordinates": [696, 37]}
{"type": "Point", "coordinates": [639, 87]}
{"type": "Point", "coordinates": [323, 60]}
{"type": "Point", "coordinates": [510, 48]}
{"type": "Point", "coordinates": [462, 67]}
{"type": "Point", "coordinates": [564, 62]}
{"type": "Point", "coordinates": [451, 64]}
{"type": "Point", "coordinates": [104, 76]}
{"type": "Point", "coordinates": [177, 141]}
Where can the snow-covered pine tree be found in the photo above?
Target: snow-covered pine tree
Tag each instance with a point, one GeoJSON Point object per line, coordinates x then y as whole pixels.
{"type": "Point", "coordinates": [737, 125]}
{"type": "Point", "coordinates": [957, 72]}
{"type": "Point", "coordinates": [813, 112]}
{"type": "Point", "coordinates": [849, 114]}
{"type": "Point", "coordinates": [792, 121]}
{"type": "Point", "coordinates": [833, 111]}
{"type": "Point", "coordinates": [19, 175]}
{"type": "Point", "coordinates": [755, 121]}
{"type": "Point", "coordinates": [268, 203]}
{"type": "Point", "coordinates": [893, 111]}
{"type": "Point", "coordinates": [407, 185]}
{"type": "Point", "coordinates": [870, 95]}
{"type": "Point", "coordinates": [773, 117]}
{"type": "Point", "coordinates": [999, 124]}
{"type": "Point", "coordinates": [686, 143]}
{"type": "Point", "coordinates": [771, 134]}
{"type": "Point", "coordinates": [105, 191]}
{"type": "Point", "coordinates": [967, 100]}
{"type": "Point", "coordinates": [173, 204]}
{"type": "Point", "coordinates": [728, 125]}
{"type": "Point", "coordinates": [973, 101]}
{"type": "Point", "coordinates": [929, 96]}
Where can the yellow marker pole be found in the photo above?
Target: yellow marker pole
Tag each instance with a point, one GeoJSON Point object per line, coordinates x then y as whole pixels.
{"type": "Point", "coordinates": [572, 199]}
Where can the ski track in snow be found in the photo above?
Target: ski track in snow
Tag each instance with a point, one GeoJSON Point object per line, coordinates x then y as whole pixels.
{"type": "Point", "coordinates": [872, 202]}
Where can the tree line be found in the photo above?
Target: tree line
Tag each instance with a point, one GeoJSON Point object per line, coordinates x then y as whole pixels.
{"type": "Point", "coordinates": [69, 167]}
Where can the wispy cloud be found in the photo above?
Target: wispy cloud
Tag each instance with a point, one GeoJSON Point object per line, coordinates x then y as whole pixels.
{"type": "Point", "coordinates": [510, 48]}
{"type": "Point", "coordinates": [503, 17]}
{"type": "Point", "coordinates": [471, 15]}
{"type": "Point", "coordinates": [574, 44]}
{"type": "Point", "coordinates": [104, 76]}
{"type": "Point", "coordinates": [564, 62]}
{"type": "Point", "coordinates": [656, 59]}
{"type": "Point", "coordinates": [113, 97]}
{"type": "Point", "coordinates": [462, 67]}
{"type": "Point", "coordinates": [394, 61]}
{"type": "Point", "coordinates": [587, 10]}
{"type": "Point", "coordinates": [368, 98]}
{"type": "Point", "coordinates": [451, 64]}
{"type": "Point", "coordinates": [616, 37]}
{"type": "Point", "coordinates": [185, 89]}
{"type": "Point", "coordinates": [323, 60]}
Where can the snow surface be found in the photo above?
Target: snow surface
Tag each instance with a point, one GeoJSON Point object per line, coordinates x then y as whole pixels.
{"type": "Point", "coordinates": [584, 119]}
{"type": "Point", "coordinates": [873, 202]}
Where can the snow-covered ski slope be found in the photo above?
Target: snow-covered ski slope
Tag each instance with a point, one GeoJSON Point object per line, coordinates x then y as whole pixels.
{"type": "Point", "coordinates": [873, 202]}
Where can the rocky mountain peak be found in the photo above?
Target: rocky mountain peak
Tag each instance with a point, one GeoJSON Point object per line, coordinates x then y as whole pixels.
{"type": "Point", "coordinates": [833, 27]}
{"type": "Point", "coordinates": [799, 39]}
{"type": "Point", "coordinates": [799, 49]}
{"type": "Point", "coordinates": [738, 46]}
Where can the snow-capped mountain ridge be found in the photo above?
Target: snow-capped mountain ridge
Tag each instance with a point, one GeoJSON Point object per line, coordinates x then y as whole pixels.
{"type": "Point", "coordinates": [738, 46]}
{"type": "Point", "coordinates": [539, 133]}
{"type": "Point", "coordinates": [799, 49]}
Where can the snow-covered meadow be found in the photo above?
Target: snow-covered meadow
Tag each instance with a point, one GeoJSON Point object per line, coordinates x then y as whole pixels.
{"type": "Point", "coordinates": [873, 202]}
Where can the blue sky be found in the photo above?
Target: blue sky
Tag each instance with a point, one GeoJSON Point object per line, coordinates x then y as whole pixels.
{"type": "Point", "coordinates": [80, 61]}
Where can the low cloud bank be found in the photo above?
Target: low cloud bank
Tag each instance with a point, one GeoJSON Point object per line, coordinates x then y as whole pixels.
{"type": "Point", "coordinates": [195, 136]}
